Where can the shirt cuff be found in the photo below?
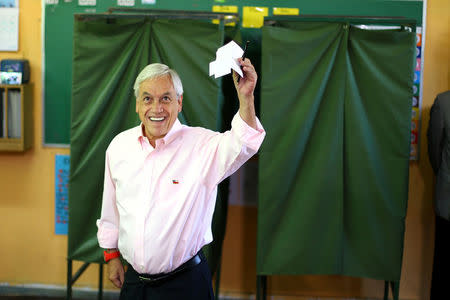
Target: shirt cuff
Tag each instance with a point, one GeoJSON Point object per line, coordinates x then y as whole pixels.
{"type": "Point", "coordinates": [107, 235]}
{"type": "Point", "coordinates": [251, 137]}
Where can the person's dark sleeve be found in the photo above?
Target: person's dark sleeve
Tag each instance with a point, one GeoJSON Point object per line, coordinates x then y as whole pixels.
{"type": "Point", "coordinates": [435, 135]}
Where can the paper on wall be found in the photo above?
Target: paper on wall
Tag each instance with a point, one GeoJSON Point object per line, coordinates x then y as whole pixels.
{"type": "Point", "coordinates": [9, 29]}
{"type": "Point", "coordinates": [125, 2]}
{"type": "Point", "coordinates": [87, 2]}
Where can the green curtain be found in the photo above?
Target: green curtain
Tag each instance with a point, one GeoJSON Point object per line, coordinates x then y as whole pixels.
{"type": "Point", "coordinates": [333, 169]}
{"type": "Point", "coordinates": [108, 55]}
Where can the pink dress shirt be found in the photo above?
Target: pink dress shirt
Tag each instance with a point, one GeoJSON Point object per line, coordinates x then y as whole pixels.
{"type": "Point", "coordinates": [158, 202]}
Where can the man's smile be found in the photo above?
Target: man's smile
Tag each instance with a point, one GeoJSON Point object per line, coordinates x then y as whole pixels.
{"type": "Point", "coordinates": [157, 119]}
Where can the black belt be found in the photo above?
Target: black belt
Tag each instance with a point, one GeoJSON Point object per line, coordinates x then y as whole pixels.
{"type": "Point", "coordinates": [155, 278]}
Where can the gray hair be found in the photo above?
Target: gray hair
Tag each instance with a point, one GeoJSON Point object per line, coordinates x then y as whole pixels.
{"type": "Point", "coordinates": [158, 70]}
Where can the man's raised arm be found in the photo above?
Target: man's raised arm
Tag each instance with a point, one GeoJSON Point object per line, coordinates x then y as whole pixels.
{"type": "Point", "coordinates": [245, 88]}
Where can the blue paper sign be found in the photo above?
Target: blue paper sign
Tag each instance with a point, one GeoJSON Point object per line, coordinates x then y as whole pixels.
{"type": "Point", "coordinates": [62, 165]}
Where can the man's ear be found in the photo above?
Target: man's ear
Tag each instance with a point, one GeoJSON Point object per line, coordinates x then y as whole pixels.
{"type": "Point", "coordinates": [137, 111]}
{"type": "Point", "coordinates": [180, 103]}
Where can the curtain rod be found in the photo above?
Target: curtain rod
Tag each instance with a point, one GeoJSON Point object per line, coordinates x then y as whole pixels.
{"type": "Point", "coordinates": [166, 14]}
{"type": "Point", "coordinates": [337, 18]}
{"type": "Point", "coordinates": [165, 11]}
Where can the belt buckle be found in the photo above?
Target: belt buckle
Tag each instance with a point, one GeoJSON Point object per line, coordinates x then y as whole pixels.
{"type": "Point", "coordinates": [145, 279]}
{"type": "Point", "coordinates": [154, 280]}
{"type": "Point", "coordinates": [193, 262]}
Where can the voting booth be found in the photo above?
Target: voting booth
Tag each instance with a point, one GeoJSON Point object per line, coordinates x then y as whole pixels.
{"type": "Point", "coordinates": [333, 169]}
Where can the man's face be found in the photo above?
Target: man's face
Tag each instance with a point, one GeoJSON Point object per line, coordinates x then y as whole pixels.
{"type": "Point", "coordinates": [157, 106]}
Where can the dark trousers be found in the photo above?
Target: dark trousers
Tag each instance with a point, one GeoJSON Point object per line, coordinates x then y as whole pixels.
{"type": "Point", "coordinates": [440, 281]}
{"type": "Point", "coordinates": [192, 284]}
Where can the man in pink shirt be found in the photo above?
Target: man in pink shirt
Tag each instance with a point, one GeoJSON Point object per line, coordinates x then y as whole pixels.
{"type": "Point", "coordinates": [160, 188]}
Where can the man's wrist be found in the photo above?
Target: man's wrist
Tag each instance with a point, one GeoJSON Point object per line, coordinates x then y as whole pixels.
{"type": "Point", "coordinates": [109, 254]}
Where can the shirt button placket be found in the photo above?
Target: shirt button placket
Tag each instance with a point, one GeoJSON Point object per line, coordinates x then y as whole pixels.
{"type": "Point", "coordinates": [146, 198]}
{"type": "Point", "coordinates": [143, 210]}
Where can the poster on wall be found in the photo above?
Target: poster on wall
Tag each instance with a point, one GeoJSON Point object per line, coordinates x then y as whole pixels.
{"type": "Point", "coordinates": [62, 165]}
{"type": "Point", "coordinates": [9, 25]}
{"type": "Point", "coordinates": [9, 3]}
{"type": "Point", "coordinates": [416, 99]}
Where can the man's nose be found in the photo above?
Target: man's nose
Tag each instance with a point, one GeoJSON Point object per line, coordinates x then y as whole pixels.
{"type": "Point", "coordinates": [156, 106]}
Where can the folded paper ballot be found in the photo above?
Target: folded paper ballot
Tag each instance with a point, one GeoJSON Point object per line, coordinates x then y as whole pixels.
{"type": "Point", "coordinates": [226, 59]}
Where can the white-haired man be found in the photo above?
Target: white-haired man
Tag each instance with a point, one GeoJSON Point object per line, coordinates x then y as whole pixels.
{"type": "Point", "coordinates": [160, 188]}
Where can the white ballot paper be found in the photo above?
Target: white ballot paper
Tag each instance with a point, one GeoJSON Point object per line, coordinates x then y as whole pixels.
{"type": "Point", "coordinates": [226, 59]}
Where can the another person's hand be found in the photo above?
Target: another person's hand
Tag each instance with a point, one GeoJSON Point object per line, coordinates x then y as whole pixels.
{"type": "Point", "coordinates": [116, 272]}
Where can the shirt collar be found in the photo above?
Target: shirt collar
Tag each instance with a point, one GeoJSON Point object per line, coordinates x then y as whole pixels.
{"type": "Point", "coordinates": [169, 137]}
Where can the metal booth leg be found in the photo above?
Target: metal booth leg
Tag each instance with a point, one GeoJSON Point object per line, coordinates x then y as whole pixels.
{"type": "Point", "coordinates": [100, 282]}
{"type": "Point", "coordinates": [261, 287]}
{"type": "Point", "coordinates": [69, 280]}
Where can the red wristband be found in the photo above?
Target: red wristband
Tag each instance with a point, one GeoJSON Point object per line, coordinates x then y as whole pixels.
{"type": "Point", "coordinates": [110, 255]}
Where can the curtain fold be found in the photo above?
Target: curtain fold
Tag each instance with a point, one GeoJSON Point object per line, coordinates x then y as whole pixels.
{"type": "Point", "coordinates": [333, 170]}
{"type": "Point", "coordinates": [303, 120]}
{"type": "Point", "coordinates": [377, 135]}
{"type": "Point", "coordinates": [188, 53]}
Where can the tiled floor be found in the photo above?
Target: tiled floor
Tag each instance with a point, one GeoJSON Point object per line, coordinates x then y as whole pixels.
{"type": "Point", "coordinates": [48, 293]}
{"type": "Point", "coordinates": [28, 298]}
{"type": "Point", "coordinates": [19, 297]}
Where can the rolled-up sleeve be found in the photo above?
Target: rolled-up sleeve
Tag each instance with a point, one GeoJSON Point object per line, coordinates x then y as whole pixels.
{"type": "Point", "coordinates": [108, 224]}
{"type": "Point", "coordinates": [251, 138]}
{"type": "Point", "coordinates": [228, 151]}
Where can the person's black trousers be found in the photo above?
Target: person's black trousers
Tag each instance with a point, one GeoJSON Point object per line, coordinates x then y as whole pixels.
{"type": "Point", "coordinates": [440, 281]}
{"type": "Point", "coordinates": [192, 284]}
